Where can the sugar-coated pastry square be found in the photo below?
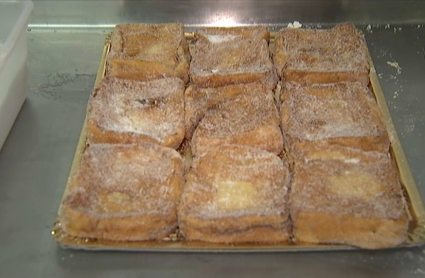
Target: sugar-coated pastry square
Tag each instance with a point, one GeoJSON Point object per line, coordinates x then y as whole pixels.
{"type": "Point", "coordinates": [249, 118]}
{"type": "Point", "coordinates": [149, 51]}
{"type": "Point", "coordinates": [347, 196]}
{"type": "Point", "coordinates": [312, 56]}
{"type": "Point", "coordinates": [124, 193]}
{"type": "Point", "coordinates": [235, 55]}
{"type": "Point", "coordinates": [236, 194]}
{"type": "Point", "coordinates": [129, 111]}
{"type": "Point", "coordinates": [343, 113]}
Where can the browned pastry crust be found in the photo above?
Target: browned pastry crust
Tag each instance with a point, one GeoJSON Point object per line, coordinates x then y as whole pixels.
{"type": "Point", "coordinates": [124, 193]}
{"type": "Point", "coordinates": [234, 194]}
{"type": "Point", "coordinates": [127, 111]}
{"type": "Point", "coordinates": [146, 52]}
{"type": "Point", "coordinates": [225, 56]}
{"type": "Point", "coordinates": [343, 114]}
{"type": "Point", "coordinates": [249, 118]}
{"type": "Point", "coordinates": [347, 196]}
{"type": "Point", "coordinates": [322, 56]}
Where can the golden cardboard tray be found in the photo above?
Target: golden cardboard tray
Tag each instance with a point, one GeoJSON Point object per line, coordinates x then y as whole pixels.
{"type": "Point", "coordinates": [415, 207]}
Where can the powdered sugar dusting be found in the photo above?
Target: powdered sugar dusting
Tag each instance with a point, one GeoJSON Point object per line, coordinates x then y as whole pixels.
{"type": "Point", "coordinates": [228, 50]}
{"type": "Point", "coordinates": [221, 38]}
{"type": "Point", "coordinates": [239, 56]}
{"type": "Point", "coordinates": [125, 180]}
{"type": "Point", "coordinates": [352, 160]}
{"type": "Point", "coordinates": [319, 112]}
{"type": "Point", "coordinates": [339, 49]}
{"type": "Point", "coordinates": [155, 43]}
{"type": "Point", "coordinates": [217, 178]}
{"type": "Point", "coordinates": [199, 100]}
{"type": "Point", "coordinates": [235, 121]}
{"type": "Point", "coordinates": [235, 116]}
{"type": "Point", "coordinates": [368, 188]}
{"type": "Point", "coordinates": [153, 108]}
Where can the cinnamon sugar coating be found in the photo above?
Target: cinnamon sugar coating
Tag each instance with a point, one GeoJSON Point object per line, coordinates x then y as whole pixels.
{"type": "Point", "coordinates": [335, 183]}
{"type": "Point", "coordinates": [249, 118]}
{"type": "Point", "coordinates": [322, 56]}
{"type": "Point", "coordinates": [124, 192]}
{"type": "Point", "coordinates": [198, 101]}
{"type": "Point", "coordinates": [347, 196]}
{"type": "Point", "coordinates": [146, 52]}
{"type": "Point", "coordinates": [236, 193]}
{"type": "Point", "coordinates": [225, 56]}
{"type": "Point", "coordinates": [128, 111]}
{"type": "Point", "coordinates": [343, 114]}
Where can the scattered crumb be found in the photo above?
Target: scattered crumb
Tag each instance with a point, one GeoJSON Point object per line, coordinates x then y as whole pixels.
{"type": "Point", "coordinates": [383, 52]}
{"type": "Point", "coordinates": [421, 271]}
{"type": "Point", "coordinates": [387, 26]}
{"type": "Point", "coordinates": [395, 65]}
{"type": "Point", "coordinates": [295, 25]}
{"type": "Point", "coordinates": [395, 94]}
{"type": "Point", "coordinates": [409, 122]}
{"type": "Point", "coordinates": [380, 75]}
{"type": "Point", "coordinates": [397, 29]}
{"type": "Point", "coordinates": [369, 28]}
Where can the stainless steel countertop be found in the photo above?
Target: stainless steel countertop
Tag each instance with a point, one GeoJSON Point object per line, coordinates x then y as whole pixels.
{"type": "Point", "coordinates": [65, 44]}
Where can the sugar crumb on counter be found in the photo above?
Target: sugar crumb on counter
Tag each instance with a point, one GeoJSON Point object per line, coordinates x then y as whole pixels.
{"type": "Point", "coordinates": [294, 25]}
{"type": "Point", "coordinates": [369, 28]}
{"type": "Point", "coordinates": [421, 271]}
{"type": "Point", "coordinates": [397, 29]}
{"type": "Point", "coordinates": [395, 65]}
{"type": "Point", "coordinates": [395, 94]}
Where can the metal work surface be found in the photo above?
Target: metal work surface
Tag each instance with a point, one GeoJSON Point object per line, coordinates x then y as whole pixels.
{"type": "Point", "coordinates": [36, 157]}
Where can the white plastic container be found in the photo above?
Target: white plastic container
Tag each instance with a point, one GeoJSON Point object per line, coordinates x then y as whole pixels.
{"type": "Point", "coordinates": [14, 17]}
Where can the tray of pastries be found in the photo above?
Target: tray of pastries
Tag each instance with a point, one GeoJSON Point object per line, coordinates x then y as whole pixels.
{"type": "Point", "coordinates": [238, 140]}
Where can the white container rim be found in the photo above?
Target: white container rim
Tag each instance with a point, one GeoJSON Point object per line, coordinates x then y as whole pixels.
{"type": "Point", "coordinates": [21, 23]}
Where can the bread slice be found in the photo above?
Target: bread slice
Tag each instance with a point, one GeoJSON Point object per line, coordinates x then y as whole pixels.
{"type": "Point", "coordinates": [235, 194]}
{"type": "Point", "coordinates": [322, 56]}
{"type": "Point", "coordinates": [344, 113]}
{"type": "Point", "coordinates": [124, 193]}
{"type": "Point", "coordinates": [127, 111]}
{"type": "Point", "coordinates": [250, 118]}
{"type": "Point", "coordinates": [347, 196]}
{"type": "Point", "coordinates": [146, 52]}
{"type": "Point", "coordinates": [225, 56]}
